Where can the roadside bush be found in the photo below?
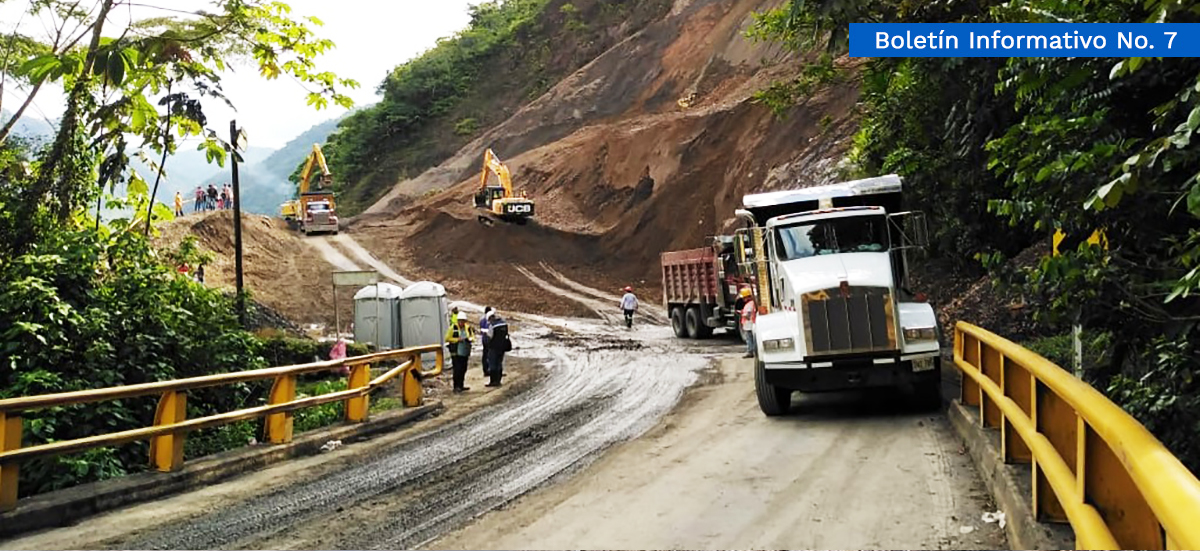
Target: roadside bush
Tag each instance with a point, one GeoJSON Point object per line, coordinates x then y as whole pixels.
{"type": "Point", "coordinates": [283, 350]}
{"type": "Point", "coordinates": [88, 310]}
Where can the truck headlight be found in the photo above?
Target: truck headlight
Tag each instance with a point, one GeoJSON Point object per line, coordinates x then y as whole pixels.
{"type": "Point", "coordinates": [779, 344]}
{"type": "Point", "coordinates": [920, 334]}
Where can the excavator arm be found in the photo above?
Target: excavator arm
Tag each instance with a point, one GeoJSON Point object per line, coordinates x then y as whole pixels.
{"type": "Point", "coordinates": [493, 165]}
{"type": "Point", "coordinates": [315, 159]}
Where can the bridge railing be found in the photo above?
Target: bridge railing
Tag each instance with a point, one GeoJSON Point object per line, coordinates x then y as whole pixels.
{"type": "Point", "coordinates": [1094, 465]}
{"type": "Point", "coordinates": [171, 425]}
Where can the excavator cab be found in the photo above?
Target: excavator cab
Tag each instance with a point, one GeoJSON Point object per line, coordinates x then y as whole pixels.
{"type": "Point", "coordinates": [488, 196]}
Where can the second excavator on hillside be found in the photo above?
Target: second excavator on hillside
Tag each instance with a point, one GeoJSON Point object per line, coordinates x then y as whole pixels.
{"type": "Point", "coordinates": [499, 202]}
{"type": "Point", "coordinates": [314, 210]}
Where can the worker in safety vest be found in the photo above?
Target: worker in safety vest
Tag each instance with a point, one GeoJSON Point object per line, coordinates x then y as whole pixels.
{"type": "Point", "coordinates": [459, 340]}
{"type": "Point", "coordinates": [749, 315]}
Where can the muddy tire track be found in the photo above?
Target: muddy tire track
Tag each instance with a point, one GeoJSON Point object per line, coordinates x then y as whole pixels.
{"type": "Point", "coordinates": [334, 257]}
{"type": "Point", "coordinates": [348, 244]}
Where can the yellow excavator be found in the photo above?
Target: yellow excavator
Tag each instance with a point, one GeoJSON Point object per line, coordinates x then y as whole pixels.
{"type": "Point", "coordinates": [314, 210]}
{"type": "Point", "coordinates": [499, 202]}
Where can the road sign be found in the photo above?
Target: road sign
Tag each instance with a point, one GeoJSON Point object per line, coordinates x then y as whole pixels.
{"type": "Point", "coordinates": [355, 278]}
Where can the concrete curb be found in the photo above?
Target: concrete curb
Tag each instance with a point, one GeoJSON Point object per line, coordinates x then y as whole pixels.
{"type": "Point", "coordinates": [1011, 485]}
{"type": "Point", "coordinates": [64, 507]}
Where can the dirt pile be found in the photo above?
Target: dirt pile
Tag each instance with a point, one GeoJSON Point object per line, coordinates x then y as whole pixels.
{"type": "Point", "coordinates": [621, 170]}
{"type": "Point", "coordinates": [281, 271]}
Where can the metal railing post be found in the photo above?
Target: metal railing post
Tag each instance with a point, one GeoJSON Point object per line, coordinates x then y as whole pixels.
{"type": "Point", "coordinates": [410, 385]}
{"type": "Point", "coordinates": [357, 407]}
{"type": "Point", "coordinates": [10, 439]}
{"type": "Point", "coordinates": [279, 425]}
{"type": "Point", "coordinates": [166, 451]}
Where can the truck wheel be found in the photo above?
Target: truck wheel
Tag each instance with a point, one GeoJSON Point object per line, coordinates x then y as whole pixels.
{"type": "Point", "coordinates": [695, 323]}
{"type": "Point", "coordinates": [929, 392]}
{"type": "Point", "coordinates": [678, 324]}
{"type": "Point", "coordinates": [772, 400]}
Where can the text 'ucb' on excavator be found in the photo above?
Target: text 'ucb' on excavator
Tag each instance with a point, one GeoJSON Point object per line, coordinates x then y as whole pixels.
{"type": "Point", "coordinates": [499, 202]}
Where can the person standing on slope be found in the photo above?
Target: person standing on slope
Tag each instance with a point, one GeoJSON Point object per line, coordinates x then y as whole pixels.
{"type": "Point", "coordinates": [498, 345]}
{"type": "Point", "coordinates": [629, 305]}
{"type": "Point", "coordinates": [199, 204]}
{"type": "Point", "coordinates": [178, 204]}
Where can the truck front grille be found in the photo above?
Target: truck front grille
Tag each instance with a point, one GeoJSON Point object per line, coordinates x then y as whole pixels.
{"type": "Point", "coordinates": [860, 320]}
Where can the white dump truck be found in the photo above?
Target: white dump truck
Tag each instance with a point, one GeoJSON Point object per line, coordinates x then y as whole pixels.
{"type": "Point", "coordinates": [835, 312]}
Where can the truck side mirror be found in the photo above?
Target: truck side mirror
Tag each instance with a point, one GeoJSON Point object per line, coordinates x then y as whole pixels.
{"type": "Point", "coordinates": [912, 228]}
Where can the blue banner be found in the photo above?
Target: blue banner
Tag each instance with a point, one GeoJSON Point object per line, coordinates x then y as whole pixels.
{"type": "Point", "coordinates": [1025, 40]}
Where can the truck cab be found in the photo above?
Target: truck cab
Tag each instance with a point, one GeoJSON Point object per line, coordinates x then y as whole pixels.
{"type": "Point", "coordinates": [835, 311]}
{"type": "Point", "coordinates": [319, 214]}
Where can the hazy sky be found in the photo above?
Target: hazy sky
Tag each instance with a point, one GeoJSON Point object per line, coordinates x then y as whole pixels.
{"type": "Point", "coordinates": [372, 37]}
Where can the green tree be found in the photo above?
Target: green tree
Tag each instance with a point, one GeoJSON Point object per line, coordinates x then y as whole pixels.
{"type": "Point", "coordinates": [85, 304]}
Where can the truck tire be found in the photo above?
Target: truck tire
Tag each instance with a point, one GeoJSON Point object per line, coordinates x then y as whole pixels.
{"type": "Point", "coordinates": [695, 324]}
{"type": "Point", "coordinates": [772, 400]}
{"type": "Point", "coordinates": [929, 392]}
{"type": "Point", "coordinates": [678, 324]}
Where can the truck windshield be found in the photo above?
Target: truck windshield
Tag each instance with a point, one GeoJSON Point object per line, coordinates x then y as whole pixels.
{"type": "Point", "coordinates": [855, 234]}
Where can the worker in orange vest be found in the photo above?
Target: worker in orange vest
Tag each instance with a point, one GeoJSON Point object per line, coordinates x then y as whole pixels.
{"type": "Point", "coordinates": [749, 315]}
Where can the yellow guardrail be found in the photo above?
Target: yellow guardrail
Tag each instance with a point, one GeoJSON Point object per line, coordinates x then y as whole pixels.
{"type": "Point", "coordinates": [171, 426]}
{"type": "Point", "coordinates": [1094, 465]}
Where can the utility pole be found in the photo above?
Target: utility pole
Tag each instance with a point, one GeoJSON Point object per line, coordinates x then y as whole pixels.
{"type": "Point", "coordinates": [237, 223]}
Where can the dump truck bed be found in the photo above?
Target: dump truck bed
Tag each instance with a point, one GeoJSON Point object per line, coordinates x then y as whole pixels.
{"type": "Point", "coordinates": [690, 277]}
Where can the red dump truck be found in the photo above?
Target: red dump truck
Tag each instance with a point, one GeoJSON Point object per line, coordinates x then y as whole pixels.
{"type": "Point", "coordinates": [700, 288]}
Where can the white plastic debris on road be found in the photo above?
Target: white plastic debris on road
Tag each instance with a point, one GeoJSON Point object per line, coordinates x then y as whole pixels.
{"type": "Point", "coordinates": [998, 516]}
{"type": "Point", "coordinates": [331, 445]}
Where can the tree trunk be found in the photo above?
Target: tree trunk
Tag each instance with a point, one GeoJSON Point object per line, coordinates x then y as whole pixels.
{"type": "Point", "coordinates": [8, 126]}
{"type": "Point", "coordinates": [161, 162]}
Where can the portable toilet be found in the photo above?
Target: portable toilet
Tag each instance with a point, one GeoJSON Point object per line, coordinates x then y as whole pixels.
{"type": "Point", "coordinates": [377, 315]}
{"type": "Point", "coordinates": [424, 318]}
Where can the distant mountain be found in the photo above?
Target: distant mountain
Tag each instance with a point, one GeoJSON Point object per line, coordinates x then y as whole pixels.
{"type": "Point", "coordinates": [189, 168]}
{"type": "Point", "coordinates": [284, 160]}
{"type": "Point", "coordinates": [263, 174]}
{"type": "Point", "coordinates": [35, 128]}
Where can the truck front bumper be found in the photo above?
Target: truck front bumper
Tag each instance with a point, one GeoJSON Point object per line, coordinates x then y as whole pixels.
{"type": "Point", "coordinates": [855, 373]}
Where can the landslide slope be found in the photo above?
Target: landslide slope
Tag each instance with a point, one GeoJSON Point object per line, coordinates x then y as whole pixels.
{"type": "Point", "coordinates": [619, 169]}
{"type": "Point", "coordinates": [280, 269]}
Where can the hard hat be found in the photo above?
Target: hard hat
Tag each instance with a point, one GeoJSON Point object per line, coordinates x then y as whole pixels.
{"type": "Point", "coordinates": [745, 292]}
{"type": "Point", "coordinates": [629, 289]}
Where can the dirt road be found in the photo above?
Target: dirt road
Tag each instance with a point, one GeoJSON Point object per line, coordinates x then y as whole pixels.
{"type": "Point", "coordinates": [852, 471]}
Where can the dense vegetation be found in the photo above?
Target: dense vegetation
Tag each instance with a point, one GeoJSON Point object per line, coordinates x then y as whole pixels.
{"type": "Point", "coordinates": [512, 52]}
{"type": "Point", "coordinates": [86, 304]}
{"type": "Point", "coordinates": [1002, 152]}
